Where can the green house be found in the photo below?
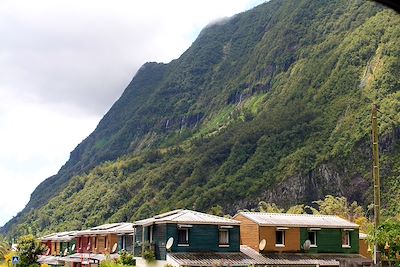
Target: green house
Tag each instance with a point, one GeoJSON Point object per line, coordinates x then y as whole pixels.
{"type": "Point", "coordinates": [300, 239]}
{"type": "Point", "coordinates": [186, 231]}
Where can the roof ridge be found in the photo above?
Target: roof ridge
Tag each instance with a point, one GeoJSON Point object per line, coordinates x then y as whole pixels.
{"type": "Point", "coordinates": [215, 216]}
{"type": "Point", "coordinates": [289, 214]}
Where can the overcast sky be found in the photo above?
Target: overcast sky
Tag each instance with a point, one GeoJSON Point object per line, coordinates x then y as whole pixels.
{"type": "Point", "coordinates": [64, 63]}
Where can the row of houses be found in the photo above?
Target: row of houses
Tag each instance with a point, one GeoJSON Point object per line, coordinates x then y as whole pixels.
{"type": "Point", "coordinates": [191, 238]}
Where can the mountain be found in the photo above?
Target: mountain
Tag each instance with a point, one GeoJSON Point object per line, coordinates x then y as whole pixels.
{"type": "Point", "coordinates": [271, 104]}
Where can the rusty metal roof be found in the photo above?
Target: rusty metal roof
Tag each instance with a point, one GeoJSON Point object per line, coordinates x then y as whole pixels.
{"type": "Point", "coordinates": [211, 259]}
{"type": "Point", "coordinates": [187, 217]}
{"type": "Point", "coordinates": [297, 220]}
{"type": "Point", "coordinates": [306, 259]}
{"type": "Point", "coordinates": [248, 256]}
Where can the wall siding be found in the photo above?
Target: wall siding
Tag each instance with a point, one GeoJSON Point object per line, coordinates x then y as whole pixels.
{"type": "Point", "coordinates": [330, 241]}
{"type": "Point", "coordinates": [249, 232]}
{"type": "Point", "coordinates": [159, 240]}
{"type": "Point", "coordinates": [204, 238]}
{"type": "Point", "coordinates": [292, 239]}
{"type": "Point", "coordinates": [128, 243]}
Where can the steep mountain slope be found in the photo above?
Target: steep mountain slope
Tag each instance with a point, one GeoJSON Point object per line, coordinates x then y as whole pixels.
{"type": "Point", "coordinates": [272, 104]}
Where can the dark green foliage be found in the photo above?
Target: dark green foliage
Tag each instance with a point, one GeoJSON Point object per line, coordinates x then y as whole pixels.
{"type": "Point", "coordinates": [272, 104]}
{"type": "Point", "coordinates": [127, 259]}
{"type": "Point", "coordinates": [387, 237]}
{"type": "Point", "coordinates": [29, 249]}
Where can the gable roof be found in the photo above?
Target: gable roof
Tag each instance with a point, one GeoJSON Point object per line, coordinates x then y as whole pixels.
{"type": "Point", "coordinates": [188, 217]}
{"type": "Point", "coordinates": [109, 228]}
{"type": "Point", "coordinates": [297, 220]}
{"type": "Point", "coordinates": [61, 236]}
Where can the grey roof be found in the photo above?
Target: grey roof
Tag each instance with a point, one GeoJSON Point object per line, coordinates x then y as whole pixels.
{"type": "Point", "coordinates": [88, 257]}
{"type": "Point", "coordinates": [61, 236]}
{"type": "Point", "coordinates": [306, 259]}
{"type": "Point", "coordinates": [187, 217]}
{"type": "Point", "coordinates": [50, 260]}
{"type": "Point", "coordinates": [110, 228]}
{"type": "Point", "coordinates": [362, 236]}
{"type": "Point", "coordinates": [211, 259]}
{"type": "Point", "coordinates": [297, 220]}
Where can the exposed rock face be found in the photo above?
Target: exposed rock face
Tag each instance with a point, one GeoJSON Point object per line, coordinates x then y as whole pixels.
{"type": "Point", "coordinates": [316, 185]}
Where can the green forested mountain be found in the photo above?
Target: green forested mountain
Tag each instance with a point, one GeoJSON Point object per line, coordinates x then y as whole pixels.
{"type": "Point", "coordinates": [272, 104]}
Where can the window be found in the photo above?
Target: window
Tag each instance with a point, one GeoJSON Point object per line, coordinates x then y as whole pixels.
{"type": "Point", "coordinates": [224, 237]}
{"type": "Point", "coordinates": [123, 242]}
{"type": "Point", "coordinates": [183, 236]}
{"type": "Point", "coordinates": [105, 242]}
{"type": "Point", "coordinates": [151, 234]}
{"type": "Point", "coordinates": [312, 236]}
{"type": "Point", "coordinates": [95, 242]}
{"type": "Point", "coordinates": [345, 239]}
{"type": "Point", "coordinates": [80, 242]}
{"type": "Point", "coordinates": [280, 238]}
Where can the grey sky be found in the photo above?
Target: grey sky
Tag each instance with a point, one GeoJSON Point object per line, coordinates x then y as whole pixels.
{"type": "Point", "coordinates": [64, 63]}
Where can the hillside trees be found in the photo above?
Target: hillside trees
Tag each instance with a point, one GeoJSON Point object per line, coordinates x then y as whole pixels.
{"type": "Point", "coordinates": [29, 248]}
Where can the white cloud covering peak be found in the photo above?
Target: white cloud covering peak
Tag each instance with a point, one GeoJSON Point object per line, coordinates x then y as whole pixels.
{"type": "Point", "coordinates": [65, 62]}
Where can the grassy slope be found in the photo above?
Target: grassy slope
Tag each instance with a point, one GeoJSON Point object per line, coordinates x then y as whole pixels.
{"type": "Point", "coordinates": [283, 94]}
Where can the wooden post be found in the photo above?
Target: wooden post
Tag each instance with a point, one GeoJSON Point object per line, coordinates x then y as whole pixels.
{"type": "Point", "coordinates": [142, 240]}
{"type": "Point", "coordinates": [375, 174]}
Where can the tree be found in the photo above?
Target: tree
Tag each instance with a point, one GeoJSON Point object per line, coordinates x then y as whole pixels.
{"type": "Point", "coordinates": [269, 207]}
{"type": "Point", "coordinates": [29, 248]}
{"type": "Point", "coordinates": [387, 237]}
{"type": "Point", "coordinates": [4, 247]}
{"type": "Point", "coordinates": [339, 206]}
{"type": "Point", "coordinates": [216, 210]}
{"type": "Point", "coordinates": [297, 209]}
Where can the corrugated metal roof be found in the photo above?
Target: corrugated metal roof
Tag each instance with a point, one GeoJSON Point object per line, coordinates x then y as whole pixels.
{"type": "Point", "coordinates": [113, 228]}
{"type": "Point", "coordinates": [188, 217]}
{"type": "Point", "coordinates": [85, 257]}
{"type": "Point", "coordinates": [61, 236]}
{"type": "Point", "coordinates": [306, 259]}
{"type": "Point", "coordinates": [362, 236]}
{"type": "Point", "coordinates": [248, 256]}
{"type": "Point", "coordinates": [50, 260]}
{"type": "Point", "coordinates": [298, 220]}
{"type": "Point", "coordinates": [211, 259]}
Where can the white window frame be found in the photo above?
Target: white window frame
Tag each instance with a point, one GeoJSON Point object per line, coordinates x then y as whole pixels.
{"type": "Point", "coordinates": [346, 236]}
{"type": "Point", "coordinates": [281, 245]}
{"type": "Point", "coordinates": [151, 234]}
{"type": "Point", "coordinates": [314, 241]}
{"type": "Point", "coordinates": [223, 244]}
{"type": "Point", "coordinates": [187, 237]}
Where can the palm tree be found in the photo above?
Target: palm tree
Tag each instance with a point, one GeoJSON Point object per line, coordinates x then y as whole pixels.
{"type": "Point", "coordinates": [4, 248]}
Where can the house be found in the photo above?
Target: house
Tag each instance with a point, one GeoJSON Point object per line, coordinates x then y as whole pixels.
{"type": "Point", "coordinates": [58, 245]}
{"type": "Point", "coordinates": [365, 249]}
{"type": "Point", "coordinates": [96, 244]}
{"type": "Point", "coordinates": [186, 237]}
{"type": "Point", "coordinates": [299, 239]}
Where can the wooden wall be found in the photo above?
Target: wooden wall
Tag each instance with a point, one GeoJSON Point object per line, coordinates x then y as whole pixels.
{"type": "Point", "coordinates": [363, 244]}
{"type": "Point", "coordinates": [292, 239]}
{"type": "Point", "coordinates": [82, 243]}
{"type": "Point", "coordinates": [103, 244]}
{"type": "Point", "coordinates": [330, 241]}
{"type": "Point", "coordinates": [249, 232]}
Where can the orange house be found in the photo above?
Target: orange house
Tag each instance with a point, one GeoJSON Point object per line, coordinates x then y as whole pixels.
{"type": "Point", "coordinates": [288, 233]}
{"type": "Point", "coordinates": [278, 238]}
{"type": "Point", "coordinates": [103, 239]}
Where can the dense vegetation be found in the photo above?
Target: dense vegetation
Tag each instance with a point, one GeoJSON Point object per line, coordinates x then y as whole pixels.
{"type": "Point", "coordinates": [272, 104]}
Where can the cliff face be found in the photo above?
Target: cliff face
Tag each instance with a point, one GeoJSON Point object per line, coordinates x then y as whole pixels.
{"type": "Point", "coordinates": [272, 104]}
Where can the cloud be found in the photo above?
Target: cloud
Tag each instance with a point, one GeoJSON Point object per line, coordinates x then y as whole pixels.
{"type": "Point", "coordinates": [65, 62]}
{"type": "Point", "coordinates": [84, 53]}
